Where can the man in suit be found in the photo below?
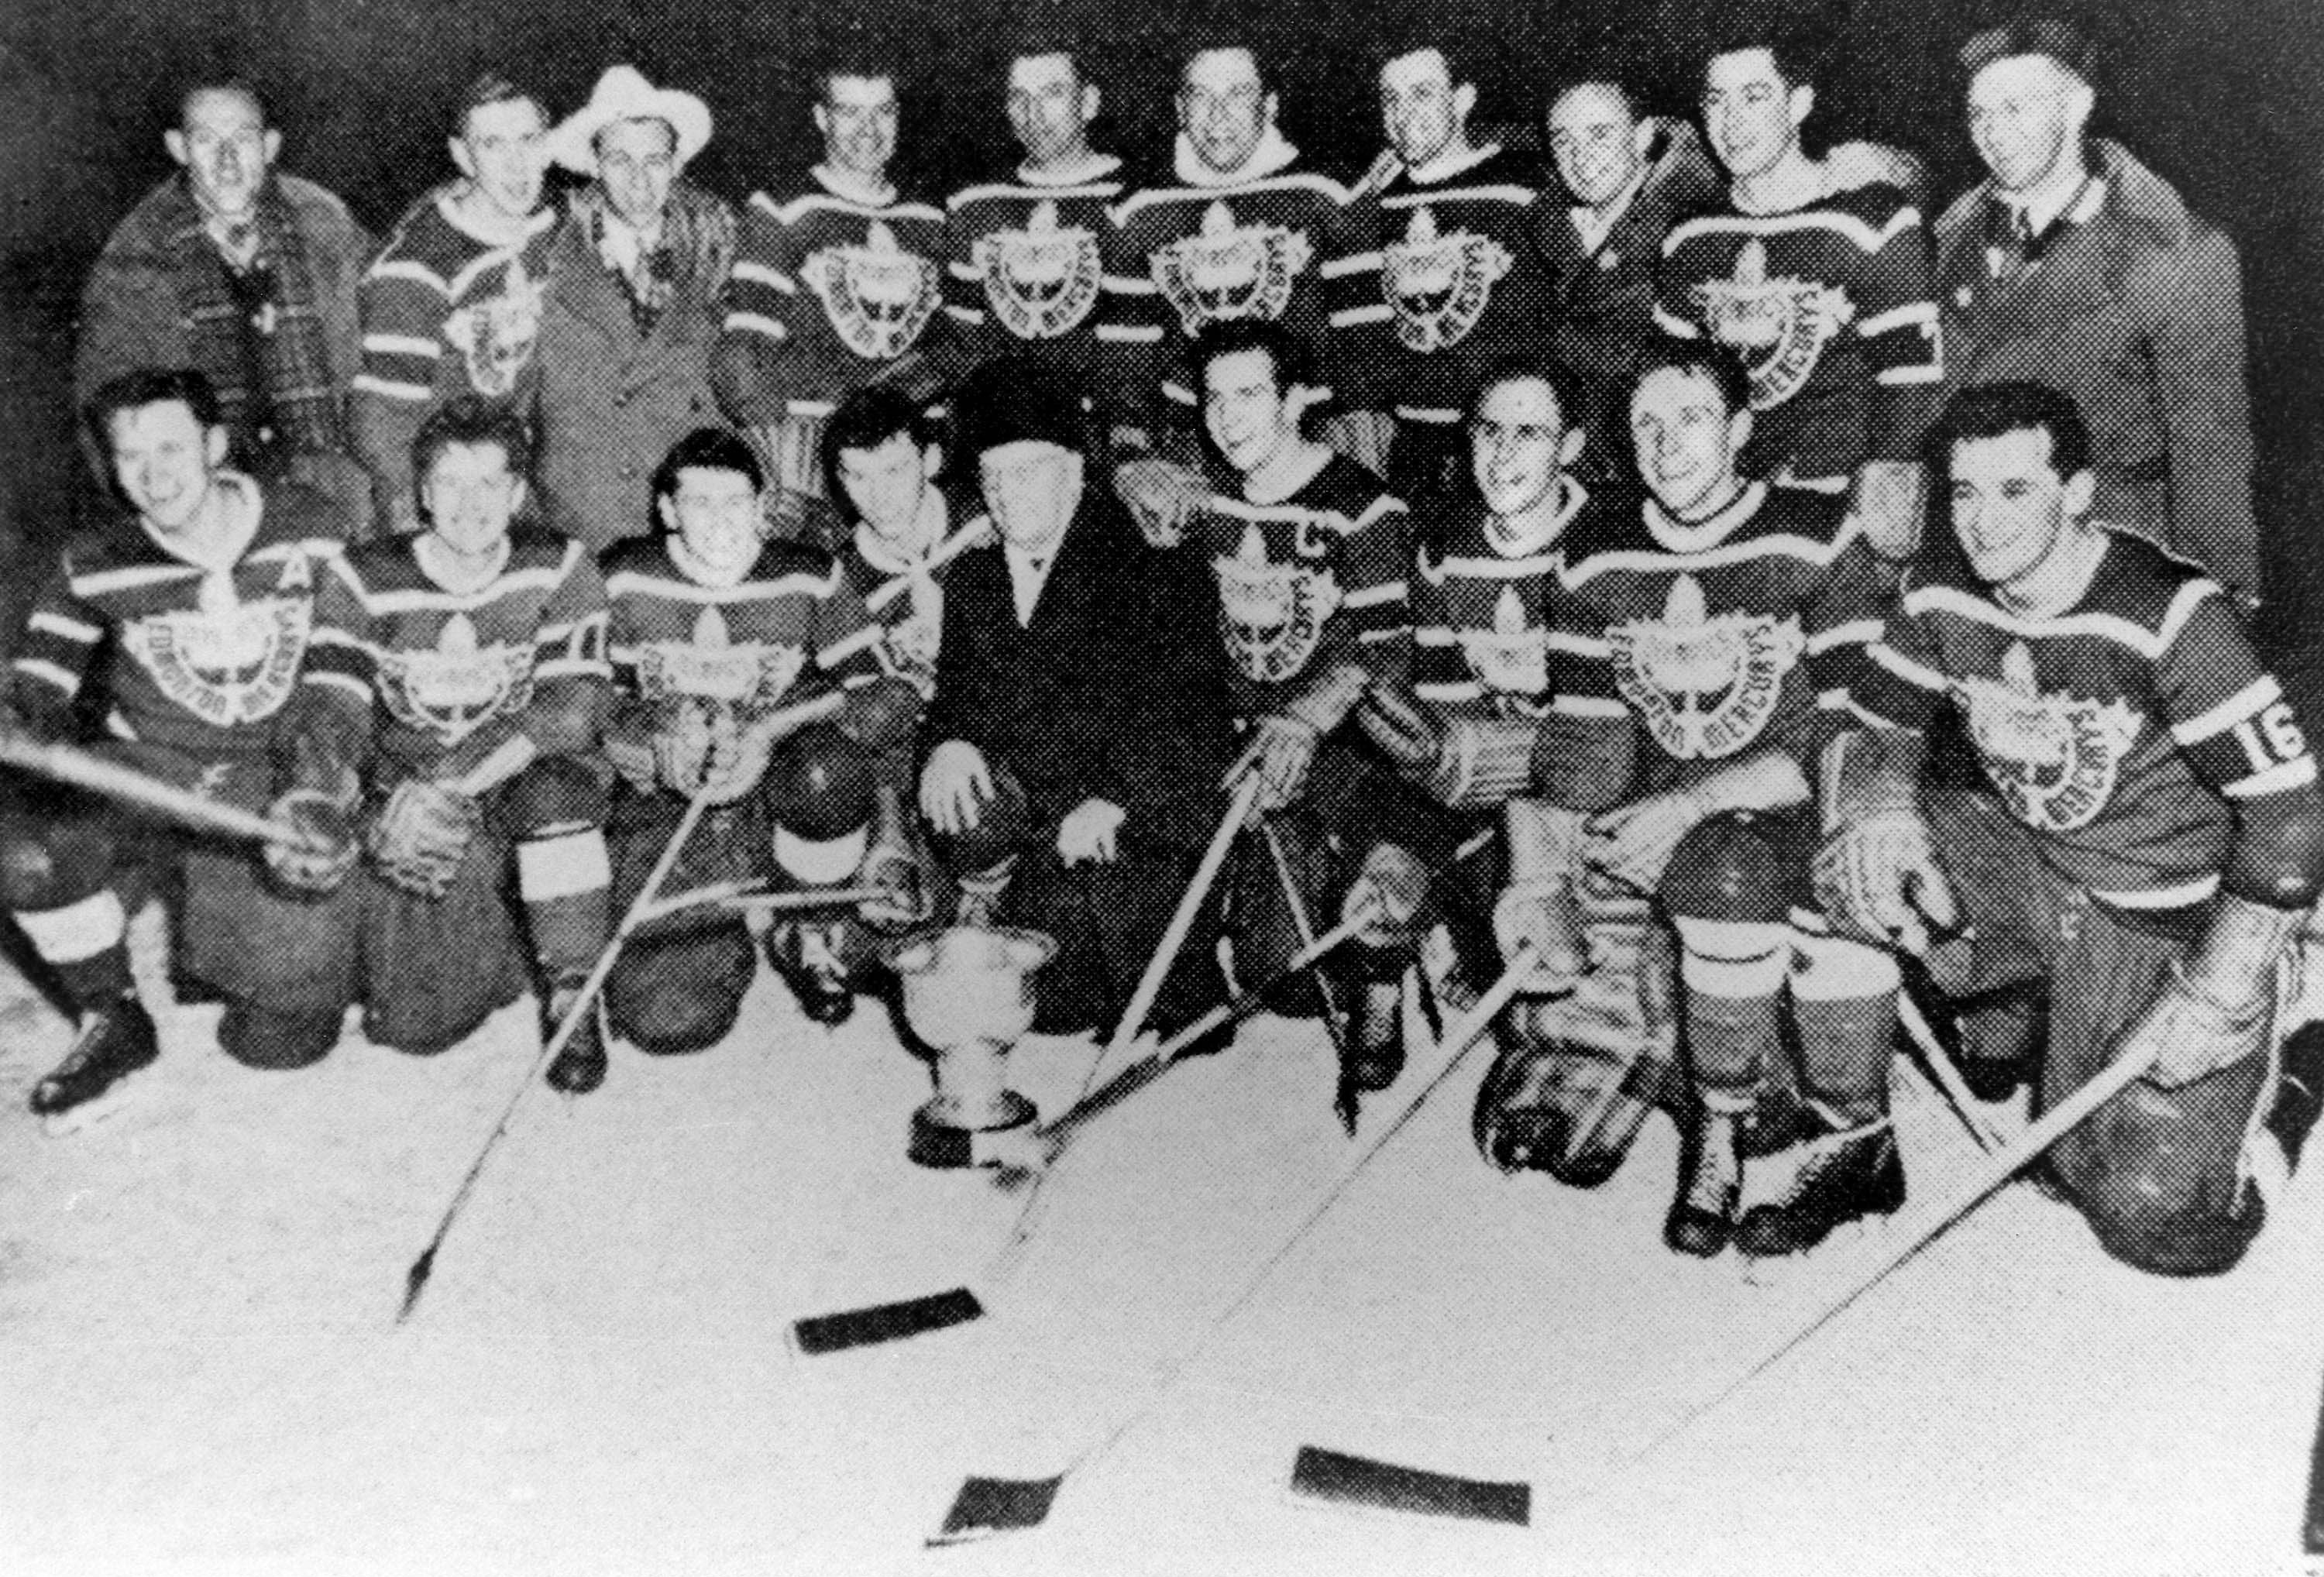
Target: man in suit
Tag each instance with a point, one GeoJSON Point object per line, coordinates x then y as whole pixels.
{"type": "Point", "coordinates": [1074, 749]}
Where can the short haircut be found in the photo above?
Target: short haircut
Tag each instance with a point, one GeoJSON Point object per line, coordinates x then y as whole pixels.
{"type": "Point", "coordinates": [1707, 359]}
{"type": "Point", "coordinates": [471, 422]}
{"type": "Point", "coordinates": [135, 390]}
{"type": "Point", "coordinates": [864, 62]}
{"type": "Point", "coordinates": [1036, 43]}
{"type": "Point", "coordinates": [1415, 40]}
{"type": "Point", "coordinates": [1765, 26]}
{"type": "Point", "coordinates": [1294, 365]}
{"type": "Point", "coordinates": [2061, 42]}
{"type": "Point", "coordinates": [1226, 40]}
{"type": "Point", "coordinates": [227, 80]}
{"type": "Point", "coordinates": [1616, 79]}
{"type": "Point", "coordinates": [867, 419]}
{"type": "Point", "coordinates": [1565, 386]}
{"type": "Point", "coordinates": [1991, 411]}
{"type": "Point", "coordinates": [492, 88]}
{"type": "Point", "coordinates": [707, 448]}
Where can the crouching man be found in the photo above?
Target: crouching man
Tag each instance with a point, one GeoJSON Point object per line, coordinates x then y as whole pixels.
{"type": "Point", "coordinates": [747, 673]}
{"type": "Point", "coordinates": [1075, 742]}
{"type": "Point", "coordinates": [187, 616]}
{"type": "Point", "coordinates": [2152, 834]}
{"type": "Point", "coordinates": [451, 707]}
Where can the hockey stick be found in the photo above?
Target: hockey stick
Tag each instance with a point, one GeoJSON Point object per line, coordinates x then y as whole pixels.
{"type": "Point", "coordinates": [753, 896]}
{"type": "Point", "coordinates": [66, 764]}
{"type": "Point", "coordinates": [415, 1279]}
{"type": "Point", "coordinates": [1343, 1098]}
{"type": "Point", "coordinates": [876, 1323]}
{"type": "Point", "coordinates": [1387, 1486]}
{"type": "Point", "coordinates": [987, 1506]}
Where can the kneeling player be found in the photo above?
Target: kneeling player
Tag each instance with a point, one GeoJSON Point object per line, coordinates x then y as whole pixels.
{"type": "Point", "coordinates": [747, 672]}
{"type": "Point", "coordinates": [189, 614]}
{"type": "Point", "coordinates": [453, 700]}
{"type": "Point", "coordinates": [2153, 839]}
{"type": "Point", "coordinates": [1722, 614]}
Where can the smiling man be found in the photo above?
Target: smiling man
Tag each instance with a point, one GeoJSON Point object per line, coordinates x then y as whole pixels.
{"type": "Point", "coordinates": [2149, 841]}
{"type": "Point", "coordinates": [2077, 265]}
{"type": "Point", "coordinates": [250, 275]}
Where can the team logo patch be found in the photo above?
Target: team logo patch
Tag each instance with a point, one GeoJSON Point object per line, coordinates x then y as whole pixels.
{"type": "Point", "coordinates": [1271, 616]}
{"type": "Point", "coordinates": [1512, 656]}
{"type": "Point", "coordinates": [1779, 326]}
{"type": "Point", "coordinates": [711, 667]}
{"type": "Point", "coordinates": [1226, 270]}
{"type": "Point", "coordinates": [495, 333]}
{"type": "Point", "coordinates": [878, 296]}
{"type": "Point", "coordinates": [224, 661]}
{"type": "Point", "coordinates": [2055, 759]}
{"type": "Point", "coordinates": [457, 687]}
{"type": "Point", "coordinates": [1704, 686]}
{"type": "Point", "coordinates": [1438, 286]}
{"type": "Point", "coordinates": [1042, 281]}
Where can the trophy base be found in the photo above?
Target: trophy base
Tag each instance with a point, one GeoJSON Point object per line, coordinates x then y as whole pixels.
{"type": "Point", "coordinates": [944, 1146]}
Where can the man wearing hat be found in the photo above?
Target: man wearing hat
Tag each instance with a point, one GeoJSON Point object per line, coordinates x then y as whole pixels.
{"type": "Point", "coordinates": [639, 270]}
{"type": "Point", "coordinates": [1073, 750]}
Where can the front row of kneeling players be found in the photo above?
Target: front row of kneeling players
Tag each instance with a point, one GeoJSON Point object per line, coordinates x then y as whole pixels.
{"type": "Point", "coordinates": [1695, 704]}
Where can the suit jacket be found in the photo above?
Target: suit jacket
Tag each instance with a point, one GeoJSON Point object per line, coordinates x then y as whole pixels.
{"type": "Point", "coordinates": [1095, 699]}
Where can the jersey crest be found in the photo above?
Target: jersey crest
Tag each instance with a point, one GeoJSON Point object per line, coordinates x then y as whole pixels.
{"type": "Point", "coordinates": [1271, 616]}
{"type": "Point", "coordinates": [1704, 686]}
{"type": "Point", "coordinates": [1438, 286]}
{"type": "Point", "coordinates": [2055, 759]}
{"type": "Point", "coordinates": [1779, 326]}
{"type": "Point", "coordinates": [224, 661]}
{"type": "Point", "coordinates": [1512, 658]}
{"type": "Point", "coordinates": [1226, 271]}
{"type": "Point", "coordinates": [457, 687]}
{"type": "Point", "coordinates": [1042, 281]}
{"type": "Point", "coordinates": [495, 333]}
{"type": "Point", "coordinates": [710, 666]}
{"type": "Point", "coordinates": [878, 296]}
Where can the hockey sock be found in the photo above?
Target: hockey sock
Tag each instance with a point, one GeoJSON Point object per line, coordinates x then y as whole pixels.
{"type": "Point", "coordinates": [86, 944]}
{"type": "Point", "coordinates": [1733, 974]}
{"type": "Point", "coordinates": [562, 875]}
{"type": "Point", "coordinates": [1844, 998]}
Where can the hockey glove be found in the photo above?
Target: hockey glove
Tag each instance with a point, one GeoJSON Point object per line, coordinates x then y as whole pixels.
{"type": "Point", "coordinates": [1879, 876]}
{"type": "Point", "coordinates": [421, 834]}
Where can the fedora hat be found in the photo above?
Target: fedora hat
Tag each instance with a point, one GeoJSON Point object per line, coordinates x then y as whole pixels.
{"type": "Point", "coordinates": [623, 94]}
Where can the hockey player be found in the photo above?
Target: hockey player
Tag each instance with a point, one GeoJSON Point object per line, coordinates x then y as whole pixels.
{"type": "Point", "coordinates": [2152, 834]}
{"type": "Point", "coordinates": [1241, 236]}
{"type": "Point", "coordinates": [1825, 292]}
{"type": "Point", "coordinates": [1029, 254]}
{"type": "Point", "coordinates": [452, 304]}
{"type": "Point", "coordinates": [1727, 616]}
{"type": "Point", "coordinates": [1310, 557]}
{"type": "Point", "coordinates": [838, 287]}
{"type": "Point", "coordinates": [1440, 279]}
{"type": "Point", "coordinates": [746, 671]}
{"type": "Point", "coordinates": [1073, 750]}
{"type": "Point", "coordinates": [186, 619]}
{"type": "Point", "coordinates": [458, 674]}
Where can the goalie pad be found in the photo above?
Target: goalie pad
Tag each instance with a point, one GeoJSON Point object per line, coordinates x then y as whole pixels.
{"type": "Point", "coordinates": [419, 837]}
{"type": "Point", "coordinates": [1484, 762]}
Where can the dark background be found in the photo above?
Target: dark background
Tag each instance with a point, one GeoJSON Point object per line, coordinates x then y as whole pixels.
{"type": "Point", "coordinates": [2219, 96]}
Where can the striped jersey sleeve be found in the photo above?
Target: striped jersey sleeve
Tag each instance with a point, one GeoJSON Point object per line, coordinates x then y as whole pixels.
{"type": "Point", "coordinates": [2227, 714]}
{"type": "Point", "coordinates": [58, 652]}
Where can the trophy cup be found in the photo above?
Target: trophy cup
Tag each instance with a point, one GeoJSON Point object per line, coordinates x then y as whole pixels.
{"type": "Point", "coordinates": [968, 994]}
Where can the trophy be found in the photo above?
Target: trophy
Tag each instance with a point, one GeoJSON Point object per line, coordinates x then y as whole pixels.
{"type": "Point", "coordinates": [968, 994]}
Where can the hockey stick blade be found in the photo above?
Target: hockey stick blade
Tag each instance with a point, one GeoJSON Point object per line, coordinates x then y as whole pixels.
{"type": "Point", "coordinates": [820, 1335]}
{"type": "Point", "coordinates": [985, 1507]}
{"type": "Point", "coordinates": [1343, 1480]}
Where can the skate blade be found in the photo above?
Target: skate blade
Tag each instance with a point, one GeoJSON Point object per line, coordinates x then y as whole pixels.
{"type": "Point", "coordinates": [123, 1097]}
{"type": "Point", "coordinates": [820, 1335]}
{"type": "Point", "coordinates": [987, 1506]}
{"type": "Point", "coordinates": [1338, 1479]}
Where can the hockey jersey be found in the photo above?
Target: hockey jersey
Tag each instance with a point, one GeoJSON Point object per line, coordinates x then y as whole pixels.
{"type": "Point", "coordinates": [2126, 732]}
{"type": "Point", "coordinates": [438, 679]}
{"type": "Point", "coordinates": [1195, 255]}
{"type": "Point", "coordinates": [905, 596]}
{"type": "Point", "coordinates": [1026, 274]}
{"type": "Point", "coordinates": [1444, 279]}
{"type": "Point", "coordinates": [1492, 631]}
{"type": "Point", "coordinates": [1724, 636]}
{"type": "Point", "coordinates": [1832, 310]}
{"type": "Point", "coordinates": [1303, 584]}
{"type": "Point", "coordinates": [829, 292]}
{"type": "Point", "coordinates": [192, 660]}
{"type": "Point", "coordinates": [445, 312]}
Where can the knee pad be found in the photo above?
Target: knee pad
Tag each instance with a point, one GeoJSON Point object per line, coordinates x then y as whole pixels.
{"type": "Point", "coordinates": [820, 791]}
{"type": "Point", "coordinates": [553, 794]}
{"type": "Point", "coordinates": [1826, 968]}
{"type": "Point", "coordinates": [681, 994]}
{"type": "Point", "coordinates": [1730, 868]}
{"type": "Point", "coordinates": [273, 1039]}
{"type": "Point", "coordinates": [49, 864]}
{"type": "Point", "coordinates": [1733, 958]}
